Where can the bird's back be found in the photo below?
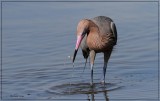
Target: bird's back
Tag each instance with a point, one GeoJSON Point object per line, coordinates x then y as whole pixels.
{"type": "Point", "coordinates": [106, 26]}
{"type": "Point", "coordinates": [103, 24]}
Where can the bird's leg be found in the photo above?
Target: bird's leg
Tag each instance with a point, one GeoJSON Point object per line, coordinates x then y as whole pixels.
{"type": "Point", "coordinates": [104, 72]}
{"type": "Point", "coordinates": [85, 65]}
{"type": "Point", "coordinates": [106, 58]}
{"type": "Point", "coordinates": [92, 58]}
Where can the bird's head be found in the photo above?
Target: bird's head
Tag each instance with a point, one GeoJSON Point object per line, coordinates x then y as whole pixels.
{"type": "Point", "coordinates": [82, 30]}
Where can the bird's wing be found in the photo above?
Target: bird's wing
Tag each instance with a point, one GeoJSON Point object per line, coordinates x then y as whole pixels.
{"type": "Point", "coordinates": [114, 31]}
{"type": "Point", "coordinates": [106, 25]}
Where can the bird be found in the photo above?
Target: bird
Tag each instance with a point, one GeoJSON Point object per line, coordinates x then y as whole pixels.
{"type": "Point", "coordinates": [96, 35]}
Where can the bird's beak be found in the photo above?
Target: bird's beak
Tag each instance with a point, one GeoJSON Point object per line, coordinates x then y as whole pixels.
{"type": "Point", "coordinates": [79, 39]}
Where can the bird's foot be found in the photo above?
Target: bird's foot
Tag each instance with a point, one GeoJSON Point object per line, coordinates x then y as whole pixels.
{"type": "Point", "coordinates": [91, 84]}
{"type": "Point", "coordinates": [103, 82]}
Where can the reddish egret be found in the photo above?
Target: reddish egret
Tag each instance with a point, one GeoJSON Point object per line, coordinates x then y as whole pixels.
{"type": "Point", "coordinates": [94, 36]}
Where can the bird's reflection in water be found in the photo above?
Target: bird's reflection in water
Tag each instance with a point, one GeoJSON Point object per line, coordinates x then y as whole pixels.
{"type": "Point", "coordinates": [91, 94]}
{"type": "Point", "coordinates": [84, 89]}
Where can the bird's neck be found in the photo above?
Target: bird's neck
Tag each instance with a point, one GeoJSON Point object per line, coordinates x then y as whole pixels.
{"type": "Point", "coordinates": [94, 30]}
{"type": "Point", "coordinates": [96, 41]}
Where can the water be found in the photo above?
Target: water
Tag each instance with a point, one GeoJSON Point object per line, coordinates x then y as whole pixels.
{"type": "Point", "coordinates": [38, 37]}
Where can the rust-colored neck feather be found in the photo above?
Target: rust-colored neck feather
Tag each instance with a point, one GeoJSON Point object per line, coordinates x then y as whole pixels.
{"type": "Point", "coordinates": [86, 24]}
